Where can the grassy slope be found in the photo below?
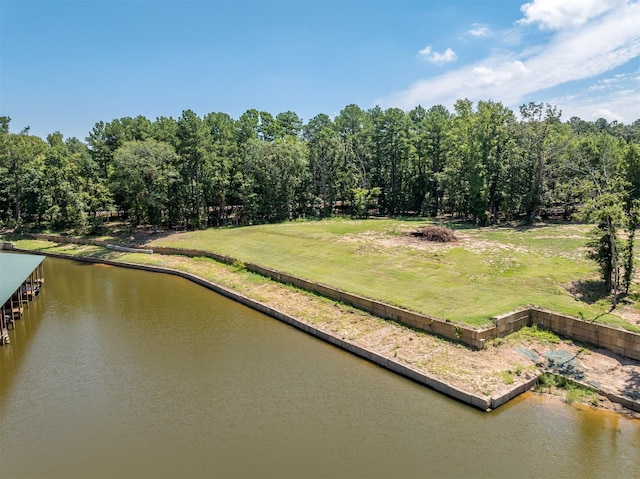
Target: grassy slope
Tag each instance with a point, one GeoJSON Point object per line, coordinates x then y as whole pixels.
{"type": "Point", "coordinates": [491, 271]}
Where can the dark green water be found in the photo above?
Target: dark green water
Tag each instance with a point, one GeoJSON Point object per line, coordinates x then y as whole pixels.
{"type": "Point", "coordinates": [121, 373]}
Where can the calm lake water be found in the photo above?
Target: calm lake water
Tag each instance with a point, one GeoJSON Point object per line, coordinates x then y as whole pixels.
{"type": "Point", "coordinates": [122, 373]}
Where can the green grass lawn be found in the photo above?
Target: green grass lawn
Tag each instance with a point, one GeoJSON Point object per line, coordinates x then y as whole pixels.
{"type": "Point", "coordinates": [488, 272]}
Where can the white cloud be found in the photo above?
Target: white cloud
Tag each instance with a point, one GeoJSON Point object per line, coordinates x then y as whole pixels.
{"type": "Point", "coordinates": [616, 98]}
{"type": "Point", "coordinates": [606, 114]}
{"type": "Point", "coordinates": [605, 42]}
{"type": "Point", "coordinates": [614, 82]}
{"type": "Point", "coordinates": [448, 56]}
{"type": "Point", "coordinates": [486, 75]}
{"type": "Point", "coordinates": [557, 14]}
{"type": "Point", "coordinates": [434, 57]}
{"type": "Point", "coordinates": [620, 106]}
{"type": "Point", "coordinates": [479, 30]}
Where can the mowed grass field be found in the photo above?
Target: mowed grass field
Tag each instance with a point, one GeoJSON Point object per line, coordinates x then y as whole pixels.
{"type": "Point", "coordinates": [487, 272]}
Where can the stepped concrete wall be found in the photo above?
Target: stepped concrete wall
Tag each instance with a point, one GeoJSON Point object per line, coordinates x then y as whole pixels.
{"type": "Point", "coordinates": [625, 343]}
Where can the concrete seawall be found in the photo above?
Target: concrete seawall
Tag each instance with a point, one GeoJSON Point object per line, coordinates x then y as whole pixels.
{"type": "Point", "coordinates": [620, 341]}
{"type": "Point", "coordinates": [481, 402]}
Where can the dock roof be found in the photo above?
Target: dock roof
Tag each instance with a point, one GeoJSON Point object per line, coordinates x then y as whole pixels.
{"type": "Point", "coordinates": [14, 269]}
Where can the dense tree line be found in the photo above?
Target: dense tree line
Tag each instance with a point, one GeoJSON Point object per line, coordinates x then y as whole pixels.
{"type": "Point", "coordinates": [481, 162]}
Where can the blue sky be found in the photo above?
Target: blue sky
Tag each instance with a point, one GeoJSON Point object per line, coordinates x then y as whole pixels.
{"type": "Point", "coordinates": [64, 65]}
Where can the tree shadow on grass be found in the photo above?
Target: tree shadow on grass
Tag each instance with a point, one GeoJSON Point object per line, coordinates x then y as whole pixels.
{"type": "Point", "coordinates": [102, 253]}
{"type": "Point", "coordinates": [588, 291]}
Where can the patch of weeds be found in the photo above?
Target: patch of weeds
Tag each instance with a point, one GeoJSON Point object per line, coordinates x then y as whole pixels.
{"type": "Point", "coordinates": [506, 377]}
{"type": "Point", "coordinates": [502, 264]}
{"type": "Point", "coordinates": [634, 296]}
{"type": "Point", "coordinates": [546, 382]}
{"type": "Point", "coordinates": [239, 265]}
{"type": "Point", "coordinates": [368, 249]}
{"type": "Point", "coordinates": [445, 370]}
{"type": "Point", "coordinates": [537, 334]}
{"type": "Point", "coordinates": [435, 256]}
{"type": "Point", "coordinates": [478, 277]}
{"type": "Point", "coordinates": [458, 331]}
{"type": "Point", "coordinates": [396, 230]}
{"type": "Point", "coordinates": [577, 393]}
{"type": "Point", "coordinates": [574, 392]}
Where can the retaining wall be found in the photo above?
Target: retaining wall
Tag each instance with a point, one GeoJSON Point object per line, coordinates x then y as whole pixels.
{"type": "Point", "coordinates": [625, 343]}
{"type": "Point", "coordinates": [505, 324]}
{"type": "Point", "coordinates": [614, 339]}
{"type": "Point", "coordinates": [68, 239]}
{"type": "Point", "coordinates": [480, 402]}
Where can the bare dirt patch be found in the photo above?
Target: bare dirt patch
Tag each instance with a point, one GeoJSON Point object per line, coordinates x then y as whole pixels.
{"type": "Point", "coordinates": [406, 239]}
{"type": "Point", "coordinates": [630, 313]}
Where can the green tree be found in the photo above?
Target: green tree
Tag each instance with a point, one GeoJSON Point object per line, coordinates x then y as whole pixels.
{"type": "Point", "coordinates": [165, 129]}
{"type": "Point", "coordinates": [429, 128]}
{"type": "Point", "coordinates": [65, 205]}
{"type": "Point", "coordinates": [288, 123]}
{"type": "Point", "coordinates": [597, 158]}
{"type": "Point", "coordinates": [193, 149]}
{"type": "Point", "coordinates": [631, 175]}
{"type": "Point", "coordinates": [363, 198]}
{"type": "Point", "coordinates": [138, 128]}
{"type": "Point", "coordinates": [497, 148]}
{"type": "Point", "coordinates": [103, 141]}
{"type": "Point", "coordinates": [539, 122]}
{"type": "Point", "coordinates": [141, 178]}
{"type": "Point", "coordinates": [222, 163]}
{"type": "Point", "coordinates": [391, 156]}
{"type": "Point", "coordinates": [327, 176]}
{"type": "Point", "coordinates": [354, 130]}
{"type": "Point", "coordinates": [94, 189]}
{"type": "Point", "coordinates": [274, 179]}
{"type": "Point", "coordinates": [464, 175]}
{"type": "Point", "coordinates": [17, 152]}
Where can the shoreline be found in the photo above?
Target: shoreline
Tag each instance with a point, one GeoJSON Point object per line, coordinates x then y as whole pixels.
{"type": "Point", "coordinates": [444, 366]}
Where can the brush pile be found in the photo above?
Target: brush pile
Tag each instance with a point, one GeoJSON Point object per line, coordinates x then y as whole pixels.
{"type": "Point", "coordinates": [439, 234]}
